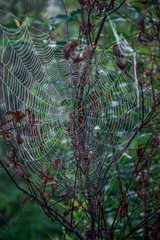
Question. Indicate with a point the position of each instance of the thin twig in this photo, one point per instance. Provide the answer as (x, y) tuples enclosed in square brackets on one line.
[(66, 12)]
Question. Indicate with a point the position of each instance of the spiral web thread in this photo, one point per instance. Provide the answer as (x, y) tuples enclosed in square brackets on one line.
[(35, 77)]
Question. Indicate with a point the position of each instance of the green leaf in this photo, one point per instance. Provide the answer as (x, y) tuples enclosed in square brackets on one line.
[(9, 26)]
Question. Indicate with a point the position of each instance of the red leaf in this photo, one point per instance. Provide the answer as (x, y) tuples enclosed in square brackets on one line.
[(121, 65), (43, 175), (19, 116), (43, 185), (52, 186), (42, 146), (140, 145), (47, 195), (28, 110), (35, 132), (135, 187), (158, 77), (69, 127), (69, 49), (50, 179), (41, 130), (85, 80), (20, 165), (57, 163), (8, 134), (32, 118), (107, 95), (19, 139), (86, 163), (93, 156), (24, 200), (20, 169), (153, 104), (140, 194), (86, 52), (78, 59), (11, 113)]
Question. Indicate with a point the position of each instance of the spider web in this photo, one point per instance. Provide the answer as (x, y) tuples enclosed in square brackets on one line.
[(35, 77)]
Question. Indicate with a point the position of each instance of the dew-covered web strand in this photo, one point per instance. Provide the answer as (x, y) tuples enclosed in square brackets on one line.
[(28, 106), (114, 125)]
